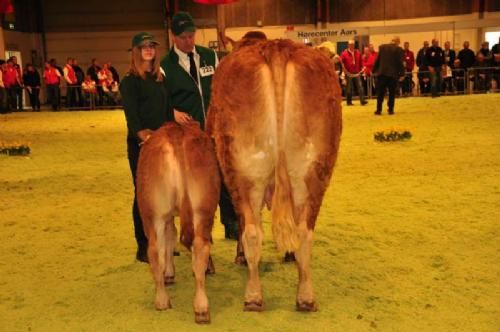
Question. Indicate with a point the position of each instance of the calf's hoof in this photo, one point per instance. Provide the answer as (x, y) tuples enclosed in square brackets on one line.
[(169, 280), (202, 317), (256, 306), (289, 257), (163, 304), (306, 306), (210, 267), (240, 259)]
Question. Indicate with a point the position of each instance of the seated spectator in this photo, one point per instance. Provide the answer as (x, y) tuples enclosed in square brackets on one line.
[(458, 76), (89, 91), (105, 77), (111, 89), (481, 78)]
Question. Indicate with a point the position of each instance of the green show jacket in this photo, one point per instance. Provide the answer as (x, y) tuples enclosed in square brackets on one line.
[(184, 93)]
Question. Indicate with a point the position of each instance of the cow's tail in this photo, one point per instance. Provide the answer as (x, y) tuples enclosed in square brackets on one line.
[(186, 209), (283, 221)]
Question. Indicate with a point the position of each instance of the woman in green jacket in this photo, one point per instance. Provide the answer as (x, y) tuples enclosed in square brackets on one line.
[(147, 107)]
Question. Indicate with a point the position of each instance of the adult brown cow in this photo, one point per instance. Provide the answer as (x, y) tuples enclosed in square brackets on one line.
[(177, 174), (275, 116)]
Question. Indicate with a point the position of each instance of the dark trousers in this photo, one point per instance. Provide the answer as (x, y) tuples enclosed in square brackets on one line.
[(228, 216), (407, 84), (34, 98), (351, 82), (133, 150), (436, 81), (386, 83), (71, 95), (53, 95), (4, 101), (15, 99)]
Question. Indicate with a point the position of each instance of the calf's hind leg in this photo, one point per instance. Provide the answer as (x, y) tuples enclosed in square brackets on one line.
[(156, 255), (200, 258)]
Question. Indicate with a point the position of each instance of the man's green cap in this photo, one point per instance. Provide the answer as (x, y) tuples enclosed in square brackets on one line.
[(182, 22)]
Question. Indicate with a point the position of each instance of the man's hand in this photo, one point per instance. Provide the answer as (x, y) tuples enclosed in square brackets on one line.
[(431, 69), (144, 135), (401, 78), (182, 117)]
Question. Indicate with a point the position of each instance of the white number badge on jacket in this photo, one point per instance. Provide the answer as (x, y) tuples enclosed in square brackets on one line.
[(207, 71)]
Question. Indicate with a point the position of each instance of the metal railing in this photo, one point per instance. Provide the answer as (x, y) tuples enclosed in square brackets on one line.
[(453, 82)]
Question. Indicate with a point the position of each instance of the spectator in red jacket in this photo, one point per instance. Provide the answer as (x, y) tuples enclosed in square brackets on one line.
[(12, 83), (351, 60), (368, 60), (409, 62), (17, 88), (52, 78)]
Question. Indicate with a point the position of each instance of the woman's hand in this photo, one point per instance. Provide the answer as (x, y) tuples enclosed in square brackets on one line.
[(182, 117)]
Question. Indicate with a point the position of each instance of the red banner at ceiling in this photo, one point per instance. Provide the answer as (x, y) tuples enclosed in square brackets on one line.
[(6, 7), (214, 2)]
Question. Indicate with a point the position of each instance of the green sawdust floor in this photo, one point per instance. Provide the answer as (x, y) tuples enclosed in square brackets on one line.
[(407, 238)]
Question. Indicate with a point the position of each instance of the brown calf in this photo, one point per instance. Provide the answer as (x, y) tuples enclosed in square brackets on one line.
[(275, 116), (178, 175)]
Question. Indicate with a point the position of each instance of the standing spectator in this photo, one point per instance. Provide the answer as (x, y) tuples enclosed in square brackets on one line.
[(18, 86), (71, 83), (388, 68), (116, 76), (32, 84), (424, 76), (92, 71), (53, 63), (80, 76), (466, 56), (4, 102), (449, 65), (486, 52), (147, 106), (351, 59), (368, 60), (190, 92), (12, 84), (409, 62), (52, 79), (435, 61), (337, 63)]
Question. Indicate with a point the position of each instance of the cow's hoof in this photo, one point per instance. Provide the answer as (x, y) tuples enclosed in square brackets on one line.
[(240, 259), (169, 280), (307, 306), (256, 306), (202, 317), (163, 304)]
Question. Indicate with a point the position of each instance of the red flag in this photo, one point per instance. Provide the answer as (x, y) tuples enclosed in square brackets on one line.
[(214, 2), (6, 7)]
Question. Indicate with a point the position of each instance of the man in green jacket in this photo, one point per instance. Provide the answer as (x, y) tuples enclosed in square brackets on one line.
[(189, 70)]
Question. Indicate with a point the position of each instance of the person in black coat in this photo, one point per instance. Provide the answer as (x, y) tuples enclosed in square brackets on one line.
[(466, 56), (388, 69), (31, 79)]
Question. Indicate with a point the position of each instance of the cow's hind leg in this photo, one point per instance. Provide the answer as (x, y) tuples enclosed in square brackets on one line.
[(200, 258), (305, 295), (170, 242), (156, 255)]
